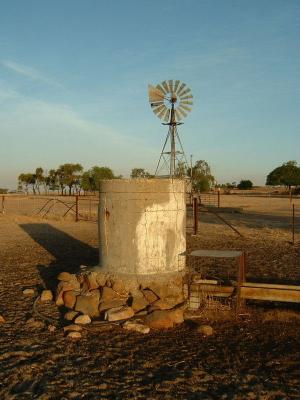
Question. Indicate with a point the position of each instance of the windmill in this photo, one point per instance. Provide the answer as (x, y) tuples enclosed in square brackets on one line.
[(171, 101)]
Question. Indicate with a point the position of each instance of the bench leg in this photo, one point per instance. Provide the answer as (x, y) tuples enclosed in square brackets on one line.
[(241, 279)]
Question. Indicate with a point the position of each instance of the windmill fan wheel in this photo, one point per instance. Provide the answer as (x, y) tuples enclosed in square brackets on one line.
[(170, 95)]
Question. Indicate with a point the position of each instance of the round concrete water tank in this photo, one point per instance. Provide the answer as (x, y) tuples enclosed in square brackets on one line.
[(142, 226)]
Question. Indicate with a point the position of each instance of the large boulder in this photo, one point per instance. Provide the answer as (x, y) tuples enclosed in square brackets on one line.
[(69, 299), (171, 292), (83, 320), (139, 303), (149, 295), (46, 295), (114, 303), (159, 320), (70, 315), (176, 316), (119, 313), (64, 286), (161, 305), (88, 304), (91, 281), (66, 276), (163, 319), (136, 326), (109, 294), (119, 287)]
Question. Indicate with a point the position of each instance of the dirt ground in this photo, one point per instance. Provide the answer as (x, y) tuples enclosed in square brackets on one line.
[(251, 357)]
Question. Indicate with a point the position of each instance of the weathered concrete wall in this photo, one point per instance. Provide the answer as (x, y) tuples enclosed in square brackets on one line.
[(142, 226)]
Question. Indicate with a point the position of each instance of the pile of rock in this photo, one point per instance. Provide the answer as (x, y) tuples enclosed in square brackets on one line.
[(98, 295)]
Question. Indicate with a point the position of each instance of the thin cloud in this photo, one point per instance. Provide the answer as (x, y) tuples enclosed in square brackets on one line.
[(29, 73)]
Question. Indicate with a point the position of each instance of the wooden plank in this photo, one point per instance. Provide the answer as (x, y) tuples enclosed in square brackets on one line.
[(216, 253), (270, 294), (271, 285), (206, 281), (214, 290)]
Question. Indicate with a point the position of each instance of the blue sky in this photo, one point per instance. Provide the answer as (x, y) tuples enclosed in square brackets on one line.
[(74, 75)]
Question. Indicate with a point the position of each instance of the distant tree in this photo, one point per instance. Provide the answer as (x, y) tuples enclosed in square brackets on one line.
[(69, 175), (3, 191), (288, 174), (140, 173), (90, 180), (181, 170), (51, 180), (39, 178), (245, 184), (202, 178), (24, 180)]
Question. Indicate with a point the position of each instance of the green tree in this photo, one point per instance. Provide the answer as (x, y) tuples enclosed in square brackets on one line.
[(39, 178), (140, 173), (245, 184), (90, 180), (181, 170), (69, 175), (288, 174), (27, 179), (51, 180), (202, 178)]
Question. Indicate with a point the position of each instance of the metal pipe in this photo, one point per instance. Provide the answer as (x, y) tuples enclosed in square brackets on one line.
[(195, 209), (293, 224), (76, 209)]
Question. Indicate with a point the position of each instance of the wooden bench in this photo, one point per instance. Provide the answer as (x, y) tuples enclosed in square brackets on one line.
[(246, 290)]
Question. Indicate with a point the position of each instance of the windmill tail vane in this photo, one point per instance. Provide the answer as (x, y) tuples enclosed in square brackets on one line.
[(170, 101)]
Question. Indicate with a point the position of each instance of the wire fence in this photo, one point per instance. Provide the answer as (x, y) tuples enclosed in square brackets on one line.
[(231, 210), (57, 207)]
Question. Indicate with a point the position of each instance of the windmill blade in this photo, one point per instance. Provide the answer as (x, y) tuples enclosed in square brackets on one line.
[(166, 117), (159, 87), (177, 115), (166, 87), (186, 102), (158, 109), (171, 85), (185, 107), (180, 89), (155, 94), (184, 92), (189, 96), (162, 112), (157, 103), (183, 113), (176, 86)]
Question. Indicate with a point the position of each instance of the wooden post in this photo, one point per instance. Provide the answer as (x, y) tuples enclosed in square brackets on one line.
[(293, 224), (76, 209), (219, 198), (3, 204), (241, 280), (195, 209)]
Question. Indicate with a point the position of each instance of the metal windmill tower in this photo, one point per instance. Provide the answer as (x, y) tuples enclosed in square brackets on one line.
[(170, 101)]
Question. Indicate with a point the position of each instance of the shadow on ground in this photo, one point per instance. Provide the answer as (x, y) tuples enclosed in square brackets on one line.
[(68, 251)]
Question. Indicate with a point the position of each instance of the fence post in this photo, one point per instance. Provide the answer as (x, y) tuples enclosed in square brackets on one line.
[(293, 224), (76, 209), (3, 204), (218, 198), (195, 209)]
